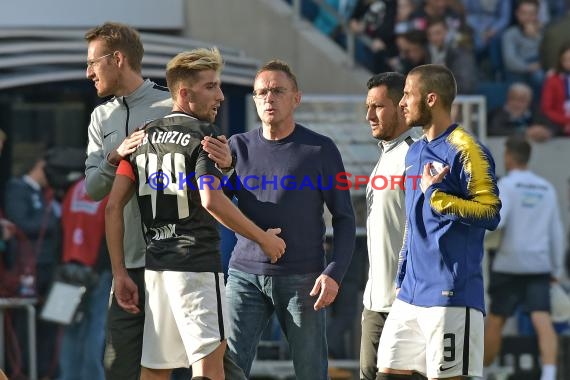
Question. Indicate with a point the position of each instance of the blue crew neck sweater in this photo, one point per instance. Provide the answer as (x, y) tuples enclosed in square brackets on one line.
[(285, 184)]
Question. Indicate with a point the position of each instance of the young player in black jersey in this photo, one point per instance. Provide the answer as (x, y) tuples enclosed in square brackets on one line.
[(178, 191)]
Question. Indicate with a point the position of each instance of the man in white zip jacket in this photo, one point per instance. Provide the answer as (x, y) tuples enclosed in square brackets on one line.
[(386, 213), (114, 59)]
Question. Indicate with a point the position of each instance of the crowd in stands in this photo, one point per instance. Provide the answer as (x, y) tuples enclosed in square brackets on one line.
[(489, 45)]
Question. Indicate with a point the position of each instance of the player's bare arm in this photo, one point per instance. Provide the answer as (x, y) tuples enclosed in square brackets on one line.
[(125, 289), (225, 212)]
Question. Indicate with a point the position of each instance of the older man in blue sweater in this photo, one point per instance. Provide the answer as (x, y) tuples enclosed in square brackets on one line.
[(284, 175)]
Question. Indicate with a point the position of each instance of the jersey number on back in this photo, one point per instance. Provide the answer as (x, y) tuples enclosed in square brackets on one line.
[(160, 183)]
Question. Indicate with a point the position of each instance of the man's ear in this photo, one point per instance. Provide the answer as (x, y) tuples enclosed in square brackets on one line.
[(183, 94), (298, 96), (119, 58), (431, 98)]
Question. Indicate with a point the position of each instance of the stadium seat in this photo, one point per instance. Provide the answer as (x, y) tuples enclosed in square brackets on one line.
[(495, 93)]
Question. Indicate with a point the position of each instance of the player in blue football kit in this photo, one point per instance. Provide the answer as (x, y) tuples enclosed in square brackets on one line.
[(435, 327)]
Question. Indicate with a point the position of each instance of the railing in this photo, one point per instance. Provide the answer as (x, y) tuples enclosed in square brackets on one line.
[(471, 112), (28, 304)]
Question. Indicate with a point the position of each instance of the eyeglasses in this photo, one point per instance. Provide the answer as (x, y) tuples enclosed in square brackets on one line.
[(92, 62), (263, 92)]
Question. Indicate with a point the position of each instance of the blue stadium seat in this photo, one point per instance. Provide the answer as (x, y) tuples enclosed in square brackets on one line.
[(495, 93)]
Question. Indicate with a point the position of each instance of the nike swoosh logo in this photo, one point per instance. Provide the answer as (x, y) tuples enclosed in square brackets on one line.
[(408, 168), (109, 134), (442, 368)]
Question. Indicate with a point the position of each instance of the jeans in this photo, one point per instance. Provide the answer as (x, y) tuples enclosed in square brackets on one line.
[(81, 355), (252, 299)]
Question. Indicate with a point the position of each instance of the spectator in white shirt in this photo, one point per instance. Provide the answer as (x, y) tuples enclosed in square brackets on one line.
[(530, 255)]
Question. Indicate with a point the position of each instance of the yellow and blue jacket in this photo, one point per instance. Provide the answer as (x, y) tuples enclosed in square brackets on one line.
[(440, 261)]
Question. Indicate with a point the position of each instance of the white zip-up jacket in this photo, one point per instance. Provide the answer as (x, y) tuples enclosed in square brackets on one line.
[(110, 123), (386, 217)]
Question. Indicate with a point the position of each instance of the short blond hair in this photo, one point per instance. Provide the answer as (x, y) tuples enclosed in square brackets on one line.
[(186, 65)]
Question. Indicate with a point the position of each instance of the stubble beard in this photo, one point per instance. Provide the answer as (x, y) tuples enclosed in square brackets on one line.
[(388, 133), (424, 119)]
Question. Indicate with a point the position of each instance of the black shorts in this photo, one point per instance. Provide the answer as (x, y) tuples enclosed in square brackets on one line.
[(124, 335), (507, 291)]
